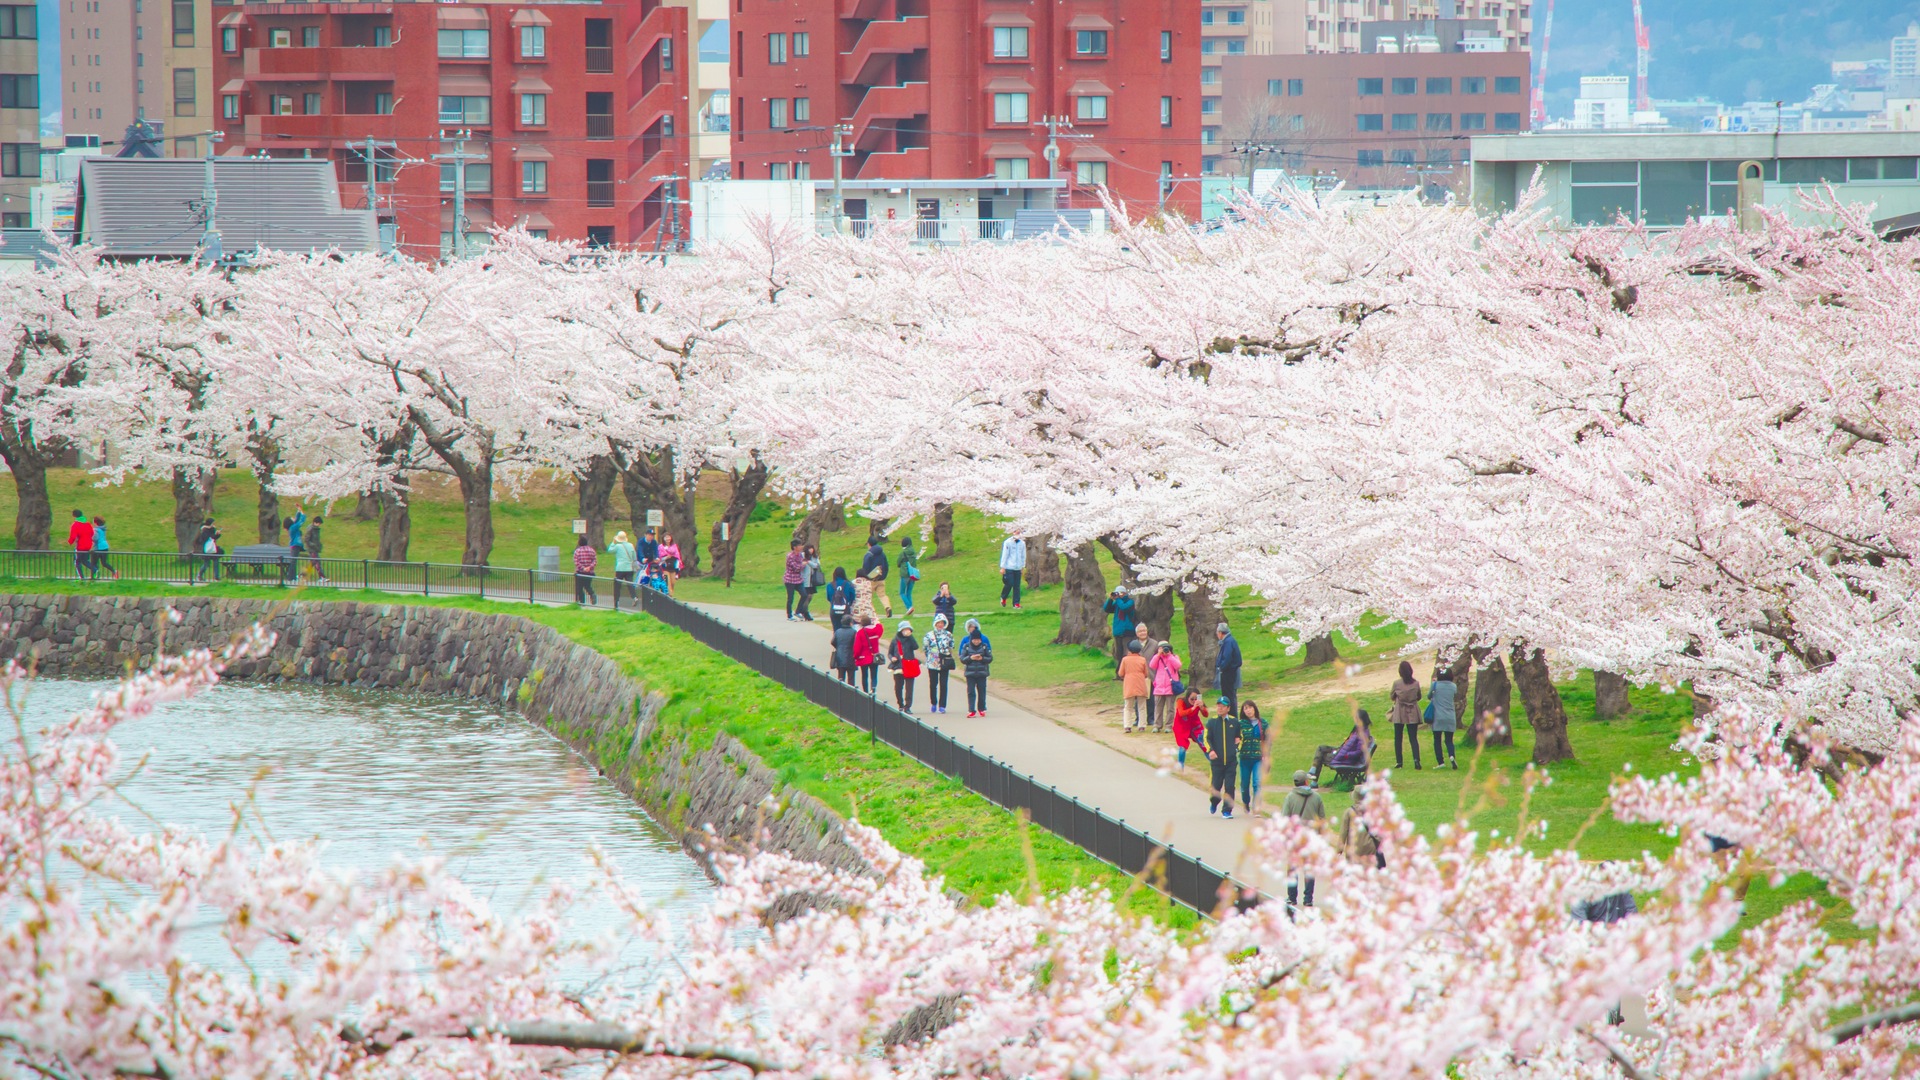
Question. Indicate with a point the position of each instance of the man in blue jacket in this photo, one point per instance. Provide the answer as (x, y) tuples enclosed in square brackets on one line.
[(1226, 669)]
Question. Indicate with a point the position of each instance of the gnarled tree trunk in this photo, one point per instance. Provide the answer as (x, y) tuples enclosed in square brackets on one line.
[(942, 530), (265, 451), (396, 522), (1610, 696), (877, 529), (1462, 672), (596, 479), (1202, 615), (367, 506), (1043, 562), (1492, 705), (1545, 713), (727, 532), (192, 503), (1154, 609), (33, 520), (1082, 620), (815, 522), (1320, 650), (653, 482)]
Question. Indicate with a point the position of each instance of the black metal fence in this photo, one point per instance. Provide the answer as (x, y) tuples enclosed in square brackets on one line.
[(1183, 878)]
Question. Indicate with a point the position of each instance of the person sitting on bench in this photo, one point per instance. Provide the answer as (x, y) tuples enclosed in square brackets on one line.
[(1350, 758)]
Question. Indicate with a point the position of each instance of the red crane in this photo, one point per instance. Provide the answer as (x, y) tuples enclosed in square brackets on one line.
[(1540, 77), (1641, 102)]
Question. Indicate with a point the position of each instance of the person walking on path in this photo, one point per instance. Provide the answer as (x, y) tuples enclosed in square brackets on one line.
[(866, 655), (1356, 840), (1441, 698), (207, 546), (1405, 694), (976, 654), (100, 550), (584, 560), (795, 577), (1222, 750), (1253, 754), (1226, 666), (1125, 615), (1304, 803), (297, 533), (868, 590), (811, 579), (938, 649), (626, 562), (903, 659), (315, 548), (944, 604), (1189, 724), (669, 556), (80, 535), (1135, 687), (1013, 563), (909, 573), (843, 639), (840, 599), (1165, 671)]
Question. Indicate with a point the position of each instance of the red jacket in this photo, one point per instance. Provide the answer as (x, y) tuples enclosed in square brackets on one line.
[(866, 645), (80, 535), (1188, 723)]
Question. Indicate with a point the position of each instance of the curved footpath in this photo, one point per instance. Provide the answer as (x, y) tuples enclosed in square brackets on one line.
[(1098, 775)]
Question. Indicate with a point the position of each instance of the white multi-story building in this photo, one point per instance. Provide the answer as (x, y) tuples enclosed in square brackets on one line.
[(1605, 101), (1904, 61)]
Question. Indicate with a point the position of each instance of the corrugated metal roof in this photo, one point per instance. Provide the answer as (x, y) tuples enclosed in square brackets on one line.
[(21, 245), (145, 207)]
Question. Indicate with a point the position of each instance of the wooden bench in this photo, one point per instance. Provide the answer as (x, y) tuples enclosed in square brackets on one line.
[(260, 561)]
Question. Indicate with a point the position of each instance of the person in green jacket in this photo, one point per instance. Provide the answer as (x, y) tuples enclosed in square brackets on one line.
[(1304, 803), (909, 572)]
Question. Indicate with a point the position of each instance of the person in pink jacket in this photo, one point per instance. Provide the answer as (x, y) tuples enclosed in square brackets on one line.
[(1165, 669)]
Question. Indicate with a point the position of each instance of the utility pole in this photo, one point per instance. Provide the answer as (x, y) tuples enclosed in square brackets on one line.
[(208, 210), (1053, 124), (373, 197), (460, 157), (840, 151)]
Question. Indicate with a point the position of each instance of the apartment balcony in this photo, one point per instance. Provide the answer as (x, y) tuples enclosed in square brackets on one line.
[(889, 103), (861, 9), (866, 62), (269, 131), (914, 164), (319, 65)]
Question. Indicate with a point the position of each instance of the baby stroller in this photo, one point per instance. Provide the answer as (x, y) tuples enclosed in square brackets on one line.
[(654, 576)]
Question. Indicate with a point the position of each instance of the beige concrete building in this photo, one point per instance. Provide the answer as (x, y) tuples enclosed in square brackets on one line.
[(128, 60), (19, 113)]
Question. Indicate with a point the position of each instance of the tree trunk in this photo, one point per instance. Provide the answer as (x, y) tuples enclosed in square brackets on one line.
[(653, 482), (942, 530), (1043, 562), (192, 504), (596, 482), (33, 522), (396, 522), (1492, 705), (1462, 672), (1320, 650), (1545, 713), (877, 529), (476, 499), (834, 517), (1156, 609), (732, 526), (1202, 615), (1610, 696), (810, 527), (1082, 620), (265, 452), (367, 507)]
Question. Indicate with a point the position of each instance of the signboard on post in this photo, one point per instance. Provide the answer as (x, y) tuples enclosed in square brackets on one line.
[(655, 519), (723, 530), (579, 526)]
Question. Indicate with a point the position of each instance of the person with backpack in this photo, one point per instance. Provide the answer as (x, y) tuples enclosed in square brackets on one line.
[(940, 659), (80, 536), (1356, 840), (1189, 725), (976, 655), (903, 659), (1165, 670), (1304, 803), (909, 573), (1405, 694), (626, 566), (866, 655), (584, 560), (1222, 745), (1134, 691), (842, 660), (840, 599), (1442, 696), (869, 588), (100, 550), (1253, 754), (811, 580), (795, 577)]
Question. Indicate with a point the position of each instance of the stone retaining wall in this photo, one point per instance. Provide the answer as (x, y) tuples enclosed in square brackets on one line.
[(512, 662)]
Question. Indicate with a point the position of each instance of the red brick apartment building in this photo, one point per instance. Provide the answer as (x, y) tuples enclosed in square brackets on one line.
[(960, 91), (1372, 120), (571, 113)]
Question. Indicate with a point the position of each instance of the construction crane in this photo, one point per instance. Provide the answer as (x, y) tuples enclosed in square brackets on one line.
[(1540, 77), (1641, 102)]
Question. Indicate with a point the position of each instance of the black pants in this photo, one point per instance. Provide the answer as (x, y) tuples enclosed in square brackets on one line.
[(1230, 689), (793, 593), (583, 588), (1294, 890), (976, 693), (1439, 758), (806, 597), (903, 692), (870, 678), (1220, 782), (625, 577), (936, 687), (845, 673), (836, 619), (1010, 586), (1413, 737)]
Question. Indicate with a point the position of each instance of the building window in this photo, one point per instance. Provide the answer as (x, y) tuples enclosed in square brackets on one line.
[(802, 171), (1406, 86), (1210, 76), (1009, 42), (466, 110), (533, 43), (1206, 18), (1473, 85), (1206, 47), (19, 22), (777, 112), (533, 178), (1371, 87), (537, 234), (19, 91), (183, 24), (280, 105), (479, 178), (1440, 157), (230, 106), (1090, 172), (666, 54), (1009, 108), (599, 181), (1406, 121), (463, 44), (1439, 86), (776, 48), (1369, 121), (777, 170), (802, 109), (1235, 48), (1506, 121), (1210, 106), (1506, 84), (1296, 87), (1276, 87), (599, 48), (1236, 18), (1090, 42), (802, 46), (20, 159), (309, 37), (1166, 112), (229, 40), (383, 37), (16, 221), (1439, 121), (1093, 107), (1166, 46), (1403, 157), (1010, 168), (1604, 189), (282, 38), (309, 104), (1473, 121), (533, 110), (1369, 157), (599, 236)]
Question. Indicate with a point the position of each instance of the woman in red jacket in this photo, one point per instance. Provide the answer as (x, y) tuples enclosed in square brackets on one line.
[(866, 654), (1189, 724)]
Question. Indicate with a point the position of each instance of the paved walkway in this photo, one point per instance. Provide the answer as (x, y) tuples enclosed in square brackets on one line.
[(1099, 776)]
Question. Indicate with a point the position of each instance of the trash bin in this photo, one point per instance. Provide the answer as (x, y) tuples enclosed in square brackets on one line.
[(549, 564)]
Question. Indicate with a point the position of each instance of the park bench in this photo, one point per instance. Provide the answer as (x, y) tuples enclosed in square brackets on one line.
[(260, 561)]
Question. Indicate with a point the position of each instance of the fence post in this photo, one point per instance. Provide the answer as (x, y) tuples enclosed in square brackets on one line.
[(366, 574), (424, 587), (529, 586)]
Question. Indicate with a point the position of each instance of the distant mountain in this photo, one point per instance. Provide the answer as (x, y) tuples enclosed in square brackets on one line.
[(1749, 50)]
